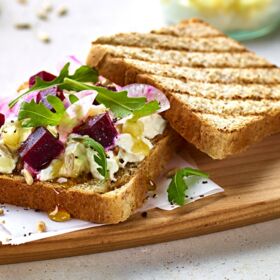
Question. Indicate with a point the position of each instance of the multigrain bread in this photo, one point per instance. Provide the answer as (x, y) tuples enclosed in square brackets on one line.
[(223, 97), (83, 200)]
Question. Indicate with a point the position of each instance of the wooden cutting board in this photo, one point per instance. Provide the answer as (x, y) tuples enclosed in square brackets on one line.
[(252, 194)]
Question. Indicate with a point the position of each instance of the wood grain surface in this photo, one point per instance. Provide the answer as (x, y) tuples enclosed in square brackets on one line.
[(252, 194)]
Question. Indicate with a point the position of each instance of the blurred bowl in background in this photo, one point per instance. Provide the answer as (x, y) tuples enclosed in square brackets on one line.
[(241, 19)]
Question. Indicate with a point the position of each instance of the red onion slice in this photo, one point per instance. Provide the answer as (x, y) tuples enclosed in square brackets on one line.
[(6, 110), (150, 92)]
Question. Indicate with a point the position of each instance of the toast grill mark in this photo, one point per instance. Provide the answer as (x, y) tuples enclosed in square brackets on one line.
[(255, 92), (167, 42), (210, 75), (190, 59), (228, 107)]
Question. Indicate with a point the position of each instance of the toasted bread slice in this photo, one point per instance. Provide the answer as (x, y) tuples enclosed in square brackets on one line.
[(223, 97), (83, 200)]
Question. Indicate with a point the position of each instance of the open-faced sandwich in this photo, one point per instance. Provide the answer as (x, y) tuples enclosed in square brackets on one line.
[(74, 145)]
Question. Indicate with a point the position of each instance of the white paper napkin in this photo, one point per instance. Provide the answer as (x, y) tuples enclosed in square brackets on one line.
[(19, 225), (200, 187)]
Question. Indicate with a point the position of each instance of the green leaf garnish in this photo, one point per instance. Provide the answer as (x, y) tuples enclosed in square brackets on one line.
[(37, 114), (146, 110), (178, 186), (100, 157), (73, 98), (85, 74), (82, 74), (118, 102)]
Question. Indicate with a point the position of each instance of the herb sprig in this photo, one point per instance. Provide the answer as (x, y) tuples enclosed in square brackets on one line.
[(99, 157), (82, 74), (118, 102), (37, 114), (178, 186)]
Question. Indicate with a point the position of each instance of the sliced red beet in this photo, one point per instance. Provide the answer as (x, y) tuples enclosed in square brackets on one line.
[(45, 76), (40, 148), (2, 119), (100, 128)]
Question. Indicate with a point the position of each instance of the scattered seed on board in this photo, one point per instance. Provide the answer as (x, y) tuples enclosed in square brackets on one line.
[(23, 25), (41, 226), (42, 15), (44, 37), (1, 212), (23, 2), (47, 7), (62, 11)]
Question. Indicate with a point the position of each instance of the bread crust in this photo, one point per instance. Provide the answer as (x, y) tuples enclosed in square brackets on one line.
[(108, 208)]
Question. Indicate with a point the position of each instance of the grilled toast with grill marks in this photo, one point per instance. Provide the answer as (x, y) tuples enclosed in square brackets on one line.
[(223, 97)]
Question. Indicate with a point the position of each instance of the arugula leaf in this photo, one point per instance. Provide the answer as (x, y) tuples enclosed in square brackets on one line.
[(57, 104), (178, 186), (82, 74), (176, 189), (37, 114), (118, 102), (41, 85), (73, 98), (146, 110), (100, 157), (85, 74)]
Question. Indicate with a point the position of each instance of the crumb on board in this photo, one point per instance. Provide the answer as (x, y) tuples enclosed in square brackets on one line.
[(41, 226), (2, 221), (1, 211)]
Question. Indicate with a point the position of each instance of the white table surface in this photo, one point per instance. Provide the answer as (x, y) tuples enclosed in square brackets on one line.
[(251, 252)]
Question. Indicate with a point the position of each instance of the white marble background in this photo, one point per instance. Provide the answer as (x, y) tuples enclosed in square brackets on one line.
[(251, 252)]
